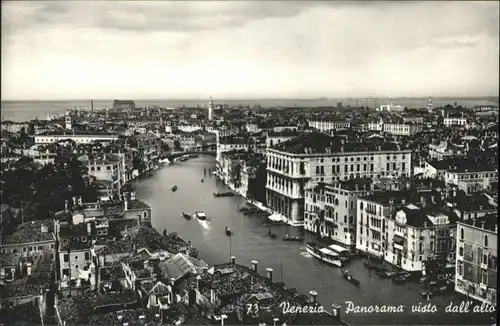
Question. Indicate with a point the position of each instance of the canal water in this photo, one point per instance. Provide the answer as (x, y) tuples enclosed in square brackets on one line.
[(289, 261)]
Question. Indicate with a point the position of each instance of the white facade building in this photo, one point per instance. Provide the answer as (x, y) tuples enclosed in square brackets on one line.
[(79, 139)]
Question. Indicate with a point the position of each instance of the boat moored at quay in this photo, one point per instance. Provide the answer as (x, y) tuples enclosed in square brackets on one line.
[(324, 254)]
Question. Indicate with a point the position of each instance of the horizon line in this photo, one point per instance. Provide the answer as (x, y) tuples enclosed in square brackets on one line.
[(304, 98)]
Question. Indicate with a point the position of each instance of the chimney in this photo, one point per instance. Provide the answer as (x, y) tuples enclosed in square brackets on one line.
[(125, 201), (212, 297), (336, 311), (255, 265), (28, 269), (142, 319), (425, 224), (66, 205), (92, 276), (172, 281), (89, 228), (74, 201), (198, 278), (269, 273), (132, 195), (482, 224), (233, 260), (80, 201), (312, 296)]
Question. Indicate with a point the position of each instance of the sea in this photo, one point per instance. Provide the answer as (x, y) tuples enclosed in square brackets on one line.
[(20, 111)]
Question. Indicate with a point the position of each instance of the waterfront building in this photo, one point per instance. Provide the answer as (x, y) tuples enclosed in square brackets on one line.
[(331, 210), (147, 148), (414, 235), (477, 258), (188, 141), (77, 138), (108, 167), (328, 124), (119, 105), (372, 212), (304, 161), (390, 108)]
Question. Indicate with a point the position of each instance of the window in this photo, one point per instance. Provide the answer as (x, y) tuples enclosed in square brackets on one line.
[(461, 251), (361, 205), (87, 256), (352, 167), (371, 167), (40, 247), (24, 249), (485, 240), (461, 233), (388, 166), (66, 258), (30, 249), (317, 170), (98, 168)]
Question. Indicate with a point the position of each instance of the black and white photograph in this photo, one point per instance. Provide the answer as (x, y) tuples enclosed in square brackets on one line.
[(249, 163)]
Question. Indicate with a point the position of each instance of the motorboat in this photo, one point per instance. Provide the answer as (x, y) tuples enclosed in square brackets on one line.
[(324, 254), (200, 215), (289, 238), (349, 277), (174, 188), (186, 216), (271, 234), (228, 232), (224, 194), (344, 253)]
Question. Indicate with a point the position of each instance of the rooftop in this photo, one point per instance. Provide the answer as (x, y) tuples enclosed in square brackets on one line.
[(487, 222), (31, 232), (180, 265), (385, 197), (37, 283), (321, 143)]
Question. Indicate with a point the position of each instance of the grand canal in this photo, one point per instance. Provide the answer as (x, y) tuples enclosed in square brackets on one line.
[(251, 242)]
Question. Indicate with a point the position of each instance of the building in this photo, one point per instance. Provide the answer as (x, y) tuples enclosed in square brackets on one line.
[(414, 234), (276, 137), (75, 261), (330, 124), (34, 239), (372, 212), (121, 104), (477, 258), (402, 129), (391, 108), (304, 161), (110, 168), (472, 178), (67, 120), (211, 110), (331, 210), (77, 138), (455, 121)]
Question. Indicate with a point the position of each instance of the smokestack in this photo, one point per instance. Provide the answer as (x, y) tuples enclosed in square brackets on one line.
[(312, 296), (255, 265), (269, 273), (233, 260), (91, 105), (28, 269)]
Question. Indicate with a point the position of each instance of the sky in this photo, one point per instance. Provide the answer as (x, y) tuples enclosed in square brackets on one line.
[(246, 50)]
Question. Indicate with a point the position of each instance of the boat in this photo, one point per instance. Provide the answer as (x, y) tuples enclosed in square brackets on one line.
[(343, 253), (387, 274), (200, 215), (214, 173), (288, 238), (399, 279), (271, 234), (202, 180), (186, 216), (174, 188), (224, 194), (228, 232), (349, 277), (323, 254)]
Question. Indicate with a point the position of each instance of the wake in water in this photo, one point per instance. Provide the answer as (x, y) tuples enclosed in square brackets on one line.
[(205, 224)]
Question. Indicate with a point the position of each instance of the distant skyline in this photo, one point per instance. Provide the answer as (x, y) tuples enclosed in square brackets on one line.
[(248, 50)]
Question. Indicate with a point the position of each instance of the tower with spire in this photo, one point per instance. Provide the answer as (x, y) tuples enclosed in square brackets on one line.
[(210, 109)]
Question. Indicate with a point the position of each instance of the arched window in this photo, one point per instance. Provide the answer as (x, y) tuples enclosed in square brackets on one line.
[(317, 170), (336, 201)]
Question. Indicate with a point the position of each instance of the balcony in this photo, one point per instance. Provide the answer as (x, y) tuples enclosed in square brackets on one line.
[(484, 266), (398, 247)]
